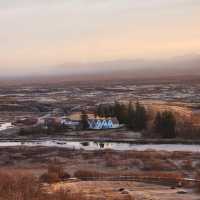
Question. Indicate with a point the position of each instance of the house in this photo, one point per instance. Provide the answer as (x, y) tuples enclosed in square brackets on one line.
[(26, 121), (102, 123), (68, 122), (48, 121)]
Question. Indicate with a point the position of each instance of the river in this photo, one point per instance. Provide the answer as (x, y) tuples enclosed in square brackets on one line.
[(90, 145), (6, 126)]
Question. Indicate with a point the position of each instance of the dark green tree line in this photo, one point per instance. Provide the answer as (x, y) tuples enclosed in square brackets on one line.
[(134, 116), (165, 124), (84, 120)]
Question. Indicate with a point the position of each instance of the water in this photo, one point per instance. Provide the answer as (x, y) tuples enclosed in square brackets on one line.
[(5, 126), (90, 145)]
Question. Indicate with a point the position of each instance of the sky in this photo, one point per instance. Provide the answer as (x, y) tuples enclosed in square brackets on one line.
[(38, 34)]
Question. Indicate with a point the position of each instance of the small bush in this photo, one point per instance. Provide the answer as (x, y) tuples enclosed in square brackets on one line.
[(159, 165), (49, 178), (167, 178), (88, 174), (187, 165), (65, 195), (20, 186), (15, 185), (54, 174), (198, 183)]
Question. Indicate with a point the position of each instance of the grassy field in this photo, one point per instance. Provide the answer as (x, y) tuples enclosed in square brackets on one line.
[(38, 173)]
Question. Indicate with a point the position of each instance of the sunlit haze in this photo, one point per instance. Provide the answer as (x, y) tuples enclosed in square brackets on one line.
[(41, 36)]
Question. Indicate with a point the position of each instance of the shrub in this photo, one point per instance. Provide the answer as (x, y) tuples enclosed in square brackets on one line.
[(159, 165), (15, 185), (65, 195), (187, 165), (54, 174), (165, 124), (49, 178), (88, 174), (198, 183), (20, 186)]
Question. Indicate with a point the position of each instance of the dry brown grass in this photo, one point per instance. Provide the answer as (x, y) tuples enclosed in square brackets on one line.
[(187, 165), (158, 165), (16, 185), (198, 183), (55, 173), (65, 195), (145, 155), (172, 177), (90, 174)]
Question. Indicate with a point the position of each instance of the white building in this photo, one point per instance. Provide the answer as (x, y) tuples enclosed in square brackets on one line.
[(98, 124)]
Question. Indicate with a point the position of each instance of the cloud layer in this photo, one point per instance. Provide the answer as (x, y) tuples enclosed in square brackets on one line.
[(36, 34)]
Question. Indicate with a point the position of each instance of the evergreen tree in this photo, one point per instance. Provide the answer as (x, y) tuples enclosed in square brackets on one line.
[(101, 111), (158, 122), (135, 117), (131, 115), (165, 124), (84, 120), (123, 117), (107, 111), (111, 111), (117, 110), (140, 117)]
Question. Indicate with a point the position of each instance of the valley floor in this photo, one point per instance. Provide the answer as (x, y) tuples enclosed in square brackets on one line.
[(125, 191)]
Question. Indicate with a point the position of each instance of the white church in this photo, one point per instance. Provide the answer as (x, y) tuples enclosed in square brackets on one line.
[(97, 124)]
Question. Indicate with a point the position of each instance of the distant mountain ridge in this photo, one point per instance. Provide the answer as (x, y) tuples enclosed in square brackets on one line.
[(182, 67), (177, 66)]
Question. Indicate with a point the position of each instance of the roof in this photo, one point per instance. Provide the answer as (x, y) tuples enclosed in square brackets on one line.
[(77, 116), (94, 120)]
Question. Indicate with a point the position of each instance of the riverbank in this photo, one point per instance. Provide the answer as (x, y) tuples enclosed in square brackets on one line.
[(100, 145), (127, 190), (106, 136), (65, 138), (151, 163), (37, 159)]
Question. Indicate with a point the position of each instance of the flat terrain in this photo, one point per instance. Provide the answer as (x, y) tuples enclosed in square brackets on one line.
[(172, 165), (125, 191), (38, 100), (111, 162), (67, 98)]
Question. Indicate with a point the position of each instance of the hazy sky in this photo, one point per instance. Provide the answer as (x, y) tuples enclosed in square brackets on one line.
[(35, 34)]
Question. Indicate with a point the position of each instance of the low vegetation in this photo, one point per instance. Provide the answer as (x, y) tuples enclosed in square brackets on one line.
[(198, 183), (137, 118), (16, 185), (165, 124), (134, 116), (153, 176), (55, 173), (161, 124)]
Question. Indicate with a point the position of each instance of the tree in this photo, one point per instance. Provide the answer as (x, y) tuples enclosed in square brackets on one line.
[(131, 115), (158, 122), (120, 111), (140, 117), (84, 120), (100, 111), (111, 111), (135, 117), (117, 110), (165, 124)]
